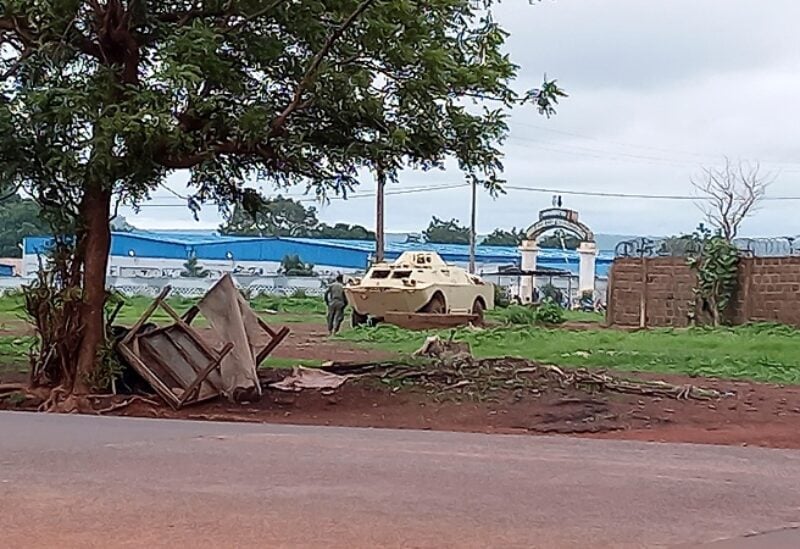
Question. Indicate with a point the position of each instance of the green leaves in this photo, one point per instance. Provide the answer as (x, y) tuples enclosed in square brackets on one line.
[(446, 232), (240, 90), (716, 268)]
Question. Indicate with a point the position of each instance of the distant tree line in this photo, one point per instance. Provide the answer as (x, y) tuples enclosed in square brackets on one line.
[(440, 231), (282, 216)]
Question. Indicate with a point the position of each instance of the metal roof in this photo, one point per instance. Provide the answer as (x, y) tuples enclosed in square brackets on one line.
[(339, 253)]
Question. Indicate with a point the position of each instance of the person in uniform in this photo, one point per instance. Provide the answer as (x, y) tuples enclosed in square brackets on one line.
[(336, 302)]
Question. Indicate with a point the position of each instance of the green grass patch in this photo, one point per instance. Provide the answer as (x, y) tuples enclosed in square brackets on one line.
[(14, 353), (280, 362), (289, 309), (584, 316), (135, 306), (12, 307), (761, 352), (519, 314), (296, 304)]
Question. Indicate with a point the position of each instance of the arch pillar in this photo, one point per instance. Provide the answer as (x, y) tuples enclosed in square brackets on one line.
[(529, 251), (587, 253)]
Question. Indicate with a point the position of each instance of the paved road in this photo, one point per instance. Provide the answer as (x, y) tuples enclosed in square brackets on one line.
[(77, 481)]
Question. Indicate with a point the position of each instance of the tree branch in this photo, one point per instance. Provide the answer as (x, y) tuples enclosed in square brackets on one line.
[(731, 194), (255, 15), (308, 77), (191, 159)]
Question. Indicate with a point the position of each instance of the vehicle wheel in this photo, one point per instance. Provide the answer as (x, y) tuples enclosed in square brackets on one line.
[(436, 305), (478, 311), (357, 319)]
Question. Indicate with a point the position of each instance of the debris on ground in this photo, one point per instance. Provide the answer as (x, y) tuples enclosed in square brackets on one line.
[(309, 378), (436, 347), (183, 367), (479, 379)]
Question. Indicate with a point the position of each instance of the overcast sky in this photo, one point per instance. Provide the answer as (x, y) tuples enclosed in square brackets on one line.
[(657, 89)]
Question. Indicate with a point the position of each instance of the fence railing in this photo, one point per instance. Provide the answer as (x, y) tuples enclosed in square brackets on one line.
[(687, 246), (194, 287)]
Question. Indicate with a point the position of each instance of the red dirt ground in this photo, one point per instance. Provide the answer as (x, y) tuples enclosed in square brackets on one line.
[(311, 342), (757, 414)]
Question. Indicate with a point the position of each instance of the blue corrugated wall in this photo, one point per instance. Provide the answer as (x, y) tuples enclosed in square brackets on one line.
[(334, 253)]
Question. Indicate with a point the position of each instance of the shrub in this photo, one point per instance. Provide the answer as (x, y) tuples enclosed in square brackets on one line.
[(551, 293), (299, 293), (501, 299), (519, 314), (549, 312)]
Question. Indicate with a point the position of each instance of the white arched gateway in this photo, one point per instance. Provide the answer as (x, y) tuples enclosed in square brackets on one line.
[(551, 219)]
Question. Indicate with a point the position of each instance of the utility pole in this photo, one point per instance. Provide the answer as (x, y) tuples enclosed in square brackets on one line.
[(379, 217), (472, 229)]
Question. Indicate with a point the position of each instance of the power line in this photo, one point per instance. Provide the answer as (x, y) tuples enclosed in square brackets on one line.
[(642, 147), (303, 198), (603, 194), (577, 150)]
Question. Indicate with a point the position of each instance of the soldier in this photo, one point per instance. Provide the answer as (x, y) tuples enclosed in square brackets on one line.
[(336, 302)]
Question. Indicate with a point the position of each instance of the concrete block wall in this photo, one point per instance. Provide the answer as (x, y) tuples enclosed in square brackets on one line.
[(768, 291)]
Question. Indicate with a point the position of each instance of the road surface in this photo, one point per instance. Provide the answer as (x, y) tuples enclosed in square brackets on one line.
[(77, 481)]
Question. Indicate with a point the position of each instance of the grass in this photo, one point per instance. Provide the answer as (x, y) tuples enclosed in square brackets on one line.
[(296, 308), (584, 316), (282, 310), (505, 315), (14, 355), (761, 352), (280, 362)]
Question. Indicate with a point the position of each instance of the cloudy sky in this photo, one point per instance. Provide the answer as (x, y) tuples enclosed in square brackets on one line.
[(657, 90)]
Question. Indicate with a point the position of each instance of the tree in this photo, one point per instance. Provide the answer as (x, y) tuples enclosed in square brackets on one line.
[(121, 225), (192, 269), (500, 237), (287, 217), (446, 232), (292, 265), (560, 240), (277, 216), (102, 99), (19, 217), (728, 195), (343, 231)]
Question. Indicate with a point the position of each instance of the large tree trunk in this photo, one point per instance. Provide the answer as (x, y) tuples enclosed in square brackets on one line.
[(95, 211)]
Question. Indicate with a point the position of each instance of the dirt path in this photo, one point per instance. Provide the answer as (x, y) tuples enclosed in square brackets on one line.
[(758, 415), (311, 342)]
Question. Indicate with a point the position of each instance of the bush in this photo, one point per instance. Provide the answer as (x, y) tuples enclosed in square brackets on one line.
[(551, 293), (501, 299), (519, 314), (549, 312), (299, 293)]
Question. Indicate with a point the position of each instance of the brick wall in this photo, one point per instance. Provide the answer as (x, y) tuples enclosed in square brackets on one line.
[(768, 290)]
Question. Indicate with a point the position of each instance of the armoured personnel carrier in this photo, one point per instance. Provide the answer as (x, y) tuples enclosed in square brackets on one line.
[(418, 283)]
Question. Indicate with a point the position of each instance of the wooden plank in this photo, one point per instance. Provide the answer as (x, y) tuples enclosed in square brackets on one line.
[(147, 313), (189, 330), (274, 342), (190, 315), (188, 358), (153, 354), (201, 377), (142, 369), (266, 327)]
